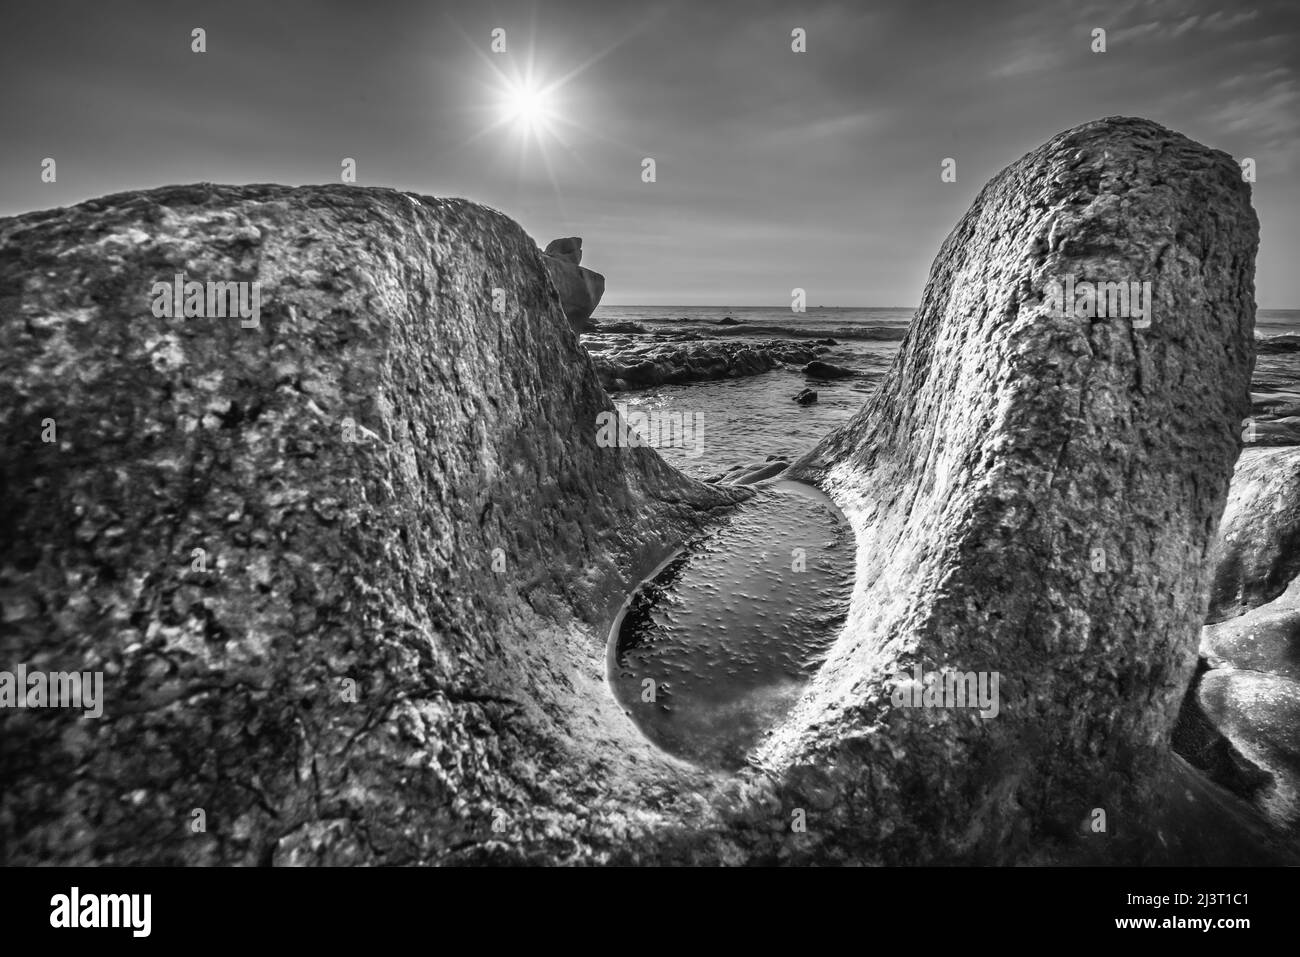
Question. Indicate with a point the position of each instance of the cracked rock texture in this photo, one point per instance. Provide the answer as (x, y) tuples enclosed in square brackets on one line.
[(279, 542), (341, 676)]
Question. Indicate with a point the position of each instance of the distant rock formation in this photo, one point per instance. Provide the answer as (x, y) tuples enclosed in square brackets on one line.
[(624, 362), (579, 288), (568, 249), (617, 327), (877, 333), (349, 573)]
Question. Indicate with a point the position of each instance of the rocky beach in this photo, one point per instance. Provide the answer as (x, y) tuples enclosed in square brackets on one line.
[(352, 573)]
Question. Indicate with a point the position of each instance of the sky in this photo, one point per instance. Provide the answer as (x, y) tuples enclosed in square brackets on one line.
[(774, 169)]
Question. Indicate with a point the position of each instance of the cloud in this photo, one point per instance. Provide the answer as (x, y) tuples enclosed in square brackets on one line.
[(1218, 22), (1034, 61), (1270, 119), (1132, 33), (833, 126)]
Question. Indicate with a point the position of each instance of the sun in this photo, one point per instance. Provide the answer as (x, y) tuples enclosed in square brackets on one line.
[(527, 106)]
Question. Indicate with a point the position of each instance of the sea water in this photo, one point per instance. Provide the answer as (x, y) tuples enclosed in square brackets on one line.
[(749, 419), (714, 649)]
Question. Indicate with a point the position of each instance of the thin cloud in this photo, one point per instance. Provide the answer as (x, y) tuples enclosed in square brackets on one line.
[(1033, 62)]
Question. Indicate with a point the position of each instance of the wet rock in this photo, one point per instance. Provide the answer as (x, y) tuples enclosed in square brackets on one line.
[(1260, 714), (1252, 641), (1265, 639), (806, 396), (685, 357), (826, 370), (1257, 551), (748, 475)]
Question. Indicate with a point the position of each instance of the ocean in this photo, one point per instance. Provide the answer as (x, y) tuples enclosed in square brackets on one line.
[(748, 419)]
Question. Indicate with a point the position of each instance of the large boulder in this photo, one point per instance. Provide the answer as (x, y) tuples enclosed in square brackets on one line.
[(348, 572), (579, 288), (1024, 508)]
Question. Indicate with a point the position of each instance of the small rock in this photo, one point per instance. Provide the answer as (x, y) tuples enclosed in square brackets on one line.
[(748, 475), (826, 370), (806, 397)]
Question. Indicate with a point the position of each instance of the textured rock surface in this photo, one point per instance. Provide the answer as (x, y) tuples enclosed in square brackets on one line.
[(1252, 643), (1003, 447), (1259, 713), (1257, 553), (1265, 639), (1006, 446), (348, 468)]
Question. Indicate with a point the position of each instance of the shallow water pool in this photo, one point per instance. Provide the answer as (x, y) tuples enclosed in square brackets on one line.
[(714, 648)]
